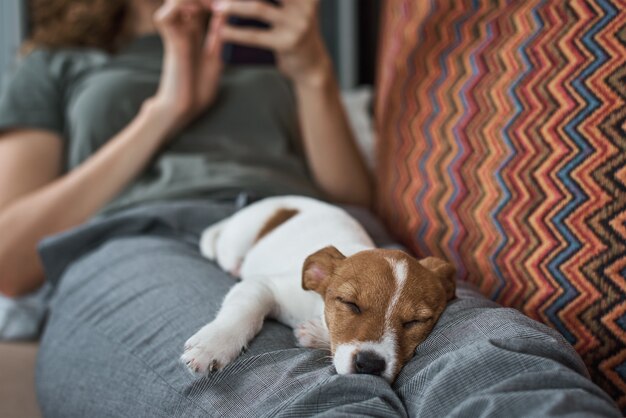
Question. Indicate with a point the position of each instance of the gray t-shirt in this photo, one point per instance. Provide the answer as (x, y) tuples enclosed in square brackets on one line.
[(248, 140)]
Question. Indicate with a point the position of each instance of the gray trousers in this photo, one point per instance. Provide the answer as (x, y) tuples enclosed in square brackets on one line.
[(130, 289)]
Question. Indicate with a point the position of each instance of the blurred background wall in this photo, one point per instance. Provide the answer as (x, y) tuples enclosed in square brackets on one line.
[(12, 30), (350, 28)]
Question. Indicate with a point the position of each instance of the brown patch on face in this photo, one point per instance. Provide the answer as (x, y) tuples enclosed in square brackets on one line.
[(279, 218), (359, 292), (357, 298)]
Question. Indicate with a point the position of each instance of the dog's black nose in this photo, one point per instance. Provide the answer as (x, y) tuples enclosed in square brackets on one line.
[(368, 362)]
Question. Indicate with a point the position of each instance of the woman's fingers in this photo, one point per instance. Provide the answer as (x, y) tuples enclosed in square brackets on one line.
[(291, 21), (211, 67), (249, 9), (301, 4), (260, 38), (213, 41), (166, 14), (178, 11)]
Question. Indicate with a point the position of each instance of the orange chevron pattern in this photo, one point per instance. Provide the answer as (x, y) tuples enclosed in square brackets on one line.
[(502, 147)]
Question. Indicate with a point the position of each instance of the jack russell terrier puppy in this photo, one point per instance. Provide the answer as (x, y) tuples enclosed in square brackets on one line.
[(313, 267)]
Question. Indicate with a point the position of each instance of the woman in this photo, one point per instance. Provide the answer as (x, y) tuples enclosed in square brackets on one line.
[(84, 132), (37, 200)]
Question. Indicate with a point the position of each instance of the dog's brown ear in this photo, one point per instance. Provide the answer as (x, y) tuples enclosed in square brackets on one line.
[(445, 271), (318, 268)]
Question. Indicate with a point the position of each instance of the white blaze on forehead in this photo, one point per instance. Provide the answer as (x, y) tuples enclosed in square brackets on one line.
[(386, 347), (400, 269)]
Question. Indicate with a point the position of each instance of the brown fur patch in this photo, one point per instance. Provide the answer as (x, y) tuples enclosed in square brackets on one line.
[(279, 218)]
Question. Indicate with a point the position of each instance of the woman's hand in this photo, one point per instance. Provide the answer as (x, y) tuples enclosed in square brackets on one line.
[(192, 63), (294, 35)]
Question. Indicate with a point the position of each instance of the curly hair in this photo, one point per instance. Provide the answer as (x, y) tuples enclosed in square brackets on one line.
[(77, 23)]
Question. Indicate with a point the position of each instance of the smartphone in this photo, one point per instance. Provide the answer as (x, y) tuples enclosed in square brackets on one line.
[(243, 55)]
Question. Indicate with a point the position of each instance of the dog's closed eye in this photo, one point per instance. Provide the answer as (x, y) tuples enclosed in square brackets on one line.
[(423, 316), (353, 306), (413, 323)]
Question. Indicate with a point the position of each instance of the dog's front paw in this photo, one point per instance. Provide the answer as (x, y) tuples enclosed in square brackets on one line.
[(211, 349), (312, 334)]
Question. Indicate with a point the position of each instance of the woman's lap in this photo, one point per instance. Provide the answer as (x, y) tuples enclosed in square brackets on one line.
[(122, 313), (117, 326)]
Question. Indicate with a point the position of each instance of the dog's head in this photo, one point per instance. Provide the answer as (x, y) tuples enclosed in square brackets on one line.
[(379, 305)]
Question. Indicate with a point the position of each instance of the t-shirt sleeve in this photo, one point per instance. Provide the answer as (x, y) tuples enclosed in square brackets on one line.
[(30, 96)]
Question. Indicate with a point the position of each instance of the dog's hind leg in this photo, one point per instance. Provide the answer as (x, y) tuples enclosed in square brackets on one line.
[(208, 240), (230, 243), (239, 320)]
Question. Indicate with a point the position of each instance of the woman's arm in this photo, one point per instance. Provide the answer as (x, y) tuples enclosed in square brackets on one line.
[(38, 205), (333, 156), (331, 149), (29, 159), (35, 202)]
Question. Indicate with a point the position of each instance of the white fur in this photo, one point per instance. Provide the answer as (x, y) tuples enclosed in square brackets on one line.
[(271, 274), (400, 270), (344, 356)]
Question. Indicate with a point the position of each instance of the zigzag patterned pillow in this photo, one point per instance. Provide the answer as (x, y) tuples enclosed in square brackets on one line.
[(502, 147)]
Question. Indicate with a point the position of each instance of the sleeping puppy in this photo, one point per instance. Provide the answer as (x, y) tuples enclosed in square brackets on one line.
[(311, 266)]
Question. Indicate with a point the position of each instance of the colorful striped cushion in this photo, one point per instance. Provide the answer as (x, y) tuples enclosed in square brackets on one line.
[(502, 147)]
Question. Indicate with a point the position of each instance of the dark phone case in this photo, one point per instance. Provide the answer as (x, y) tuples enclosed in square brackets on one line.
[(242, 55)]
